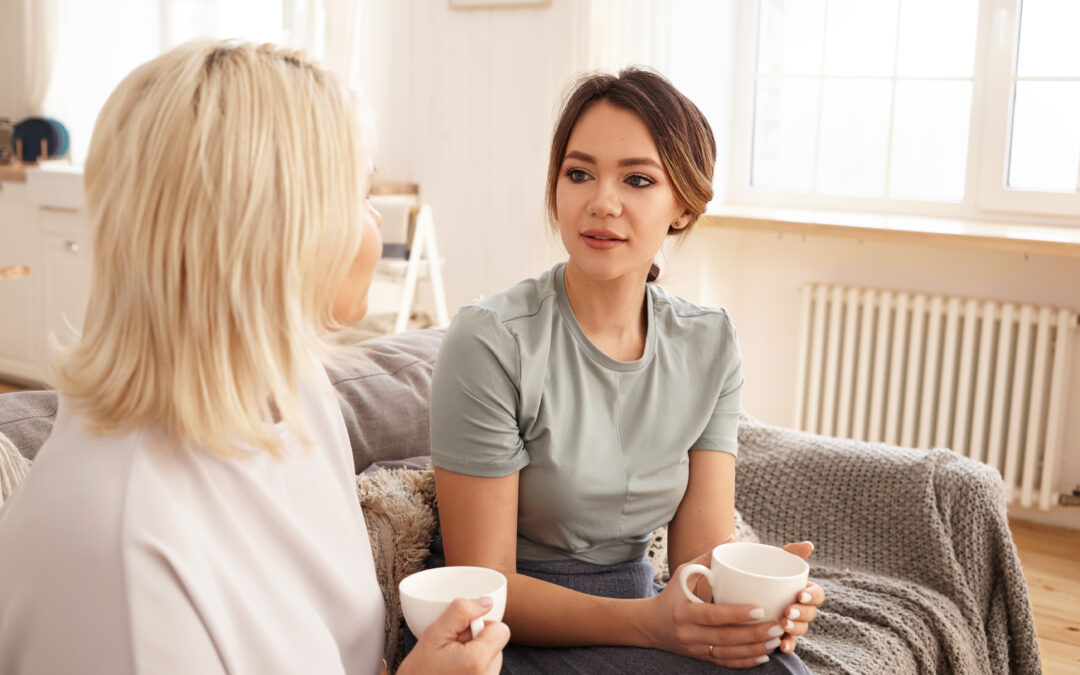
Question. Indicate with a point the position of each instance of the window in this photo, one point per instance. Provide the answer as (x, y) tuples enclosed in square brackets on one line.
[(944, 107), (86, 63)]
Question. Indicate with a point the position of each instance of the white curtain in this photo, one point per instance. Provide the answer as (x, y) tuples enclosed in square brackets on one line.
[(78, 51), (39, 42)]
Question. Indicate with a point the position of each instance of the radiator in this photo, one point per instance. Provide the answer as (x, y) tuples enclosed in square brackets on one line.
[(988, 379)]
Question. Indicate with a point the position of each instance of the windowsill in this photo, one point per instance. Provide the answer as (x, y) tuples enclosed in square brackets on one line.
[(1060, 241)]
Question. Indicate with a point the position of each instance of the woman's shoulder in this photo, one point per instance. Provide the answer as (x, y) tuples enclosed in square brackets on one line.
[(668, 305), (525, 299)]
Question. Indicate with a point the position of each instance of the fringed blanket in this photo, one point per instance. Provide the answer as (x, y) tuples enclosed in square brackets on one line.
[(913, 550)]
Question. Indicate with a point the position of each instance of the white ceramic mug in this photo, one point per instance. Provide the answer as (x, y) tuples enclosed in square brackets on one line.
[(743, 573), (426, 595)]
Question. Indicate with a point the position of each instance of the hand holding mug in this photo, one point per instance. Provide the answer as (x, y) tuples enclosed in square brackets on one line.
[(773, 579), (445, 646), (456, 614)]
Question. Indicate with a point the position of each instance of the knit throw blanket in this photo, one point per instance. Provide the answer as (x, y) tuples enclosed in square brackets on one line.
[(913, 550)]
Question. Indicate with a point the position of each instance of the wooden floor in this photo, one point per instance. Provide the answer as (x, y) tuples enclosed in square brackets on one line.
[(1051, 560)]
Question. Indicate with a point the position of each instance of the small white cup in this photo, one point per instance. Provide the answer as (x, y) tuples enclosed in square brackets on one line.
[(743, 573), (426, 595)]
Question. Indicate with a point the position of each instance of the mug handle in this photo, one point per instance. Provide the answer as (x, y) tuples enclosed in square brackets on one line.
[(476, 625), (684, 577)]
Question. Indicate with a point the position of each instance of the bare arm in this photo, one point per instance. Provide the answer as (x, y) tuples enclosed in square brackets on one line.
[(706, 515)]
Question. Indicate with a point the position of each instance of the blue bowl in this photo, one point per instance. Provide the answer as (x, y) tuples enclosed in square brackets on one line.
[(31, 131)]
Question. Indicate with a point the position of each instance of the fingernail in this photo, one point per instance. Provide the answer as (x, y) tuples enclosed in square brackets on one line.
[(730, 538), (485, 602), (761, 659), (773, 643), (804, 597), (757, 613), (775, 631), (788, 625), (793, 613)]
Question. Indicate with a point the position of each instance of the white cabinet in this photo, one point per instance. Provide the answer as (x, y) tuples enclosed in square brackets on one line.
[(20, 346), (66, 263), (42, 226)]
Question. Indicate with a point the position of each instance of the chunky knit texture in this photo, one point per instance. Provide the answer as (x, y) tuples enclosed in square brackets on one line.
[(913, 550)]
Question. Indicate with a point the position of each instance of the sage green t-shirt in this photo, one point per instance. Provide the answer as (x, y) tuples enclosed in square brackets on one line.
[(602, 446)]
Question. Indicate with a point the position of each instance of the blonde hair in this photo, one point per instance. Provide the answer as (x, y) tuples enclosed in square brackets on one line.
[(224, 190)]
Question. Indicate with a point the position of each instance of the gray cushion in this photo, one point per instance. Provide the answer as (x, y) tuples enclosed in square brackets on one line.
[(385, 389), (26, 418), (385, 394)]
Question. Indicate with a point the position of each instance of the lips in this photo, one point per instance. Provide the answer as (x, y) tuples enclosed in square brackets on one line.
[(602, 239)]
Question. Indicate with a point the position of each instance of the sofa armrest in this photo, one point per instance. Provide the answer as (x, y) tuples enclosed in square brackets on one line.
[(927, 527), (866, 506)]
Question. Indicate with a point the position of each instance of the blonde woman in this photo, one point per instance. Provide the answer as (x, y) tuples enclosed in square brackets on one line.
[(194, 509)]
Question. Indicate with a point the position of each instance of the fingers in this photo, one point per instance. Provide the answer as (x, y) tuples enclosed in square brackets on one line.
[(803, 549), (486, 649), (494, 637), (787, 643), (800, 613), (812, 594), (728, 655), (457, 617), (721, 615), (729, 635)]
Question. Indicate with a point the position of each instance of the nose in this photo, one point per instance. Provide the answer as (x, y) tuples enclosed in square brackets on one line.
[(605, 201)]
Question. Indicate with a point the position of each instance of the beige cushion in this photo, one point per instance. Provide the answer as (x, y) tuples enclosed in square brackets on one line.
[(13, 467), (402, 519)]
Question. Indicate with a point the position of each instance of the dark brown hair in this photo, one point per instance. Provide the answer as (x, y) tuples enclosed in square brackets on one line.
[(682, 135)]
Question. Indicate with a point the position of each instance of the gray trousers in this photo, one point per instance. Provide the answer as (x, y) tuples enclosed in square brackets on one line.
[(628, 580)]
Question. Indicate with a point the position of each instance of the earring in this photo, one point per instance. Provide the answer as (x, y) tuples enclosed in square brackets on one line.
[(678, 225)]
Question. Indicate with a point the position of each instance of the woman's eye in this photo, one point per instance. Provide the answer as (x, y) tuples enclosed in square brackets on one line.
[(577, 175), (639, 181)]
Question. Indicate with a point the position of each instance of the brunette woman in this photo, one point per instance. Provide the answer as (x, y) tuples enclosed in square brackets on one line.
[(576, 412)]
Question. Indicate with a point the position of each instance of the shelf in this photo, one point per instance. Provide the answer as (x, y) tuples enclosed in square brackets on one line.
[(13, 172)]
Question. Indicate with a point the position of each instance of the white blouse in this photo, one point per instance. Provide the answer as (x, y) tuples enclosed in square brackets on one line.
[(124, 554)]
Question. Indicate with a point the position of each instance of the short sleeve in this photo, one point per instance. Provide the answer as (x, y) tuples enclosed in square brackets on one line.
[(722, 430), (474, 398)]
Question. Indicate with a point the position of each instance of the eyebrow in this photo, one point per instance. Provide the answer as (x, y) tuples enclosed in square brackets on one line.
[(629, 161)]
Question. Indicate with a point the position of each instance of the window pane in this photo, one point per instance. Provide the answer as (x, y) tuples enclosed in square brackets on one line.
[(860, 37), (790, 36), (1048, 38), (785, 124), (1045, 136), (930, 140), (937, 39), (854, 137)]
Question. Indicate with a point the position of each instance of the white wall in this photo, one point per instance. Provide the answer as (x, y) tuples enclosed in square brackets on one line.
[(757, 276), (464, 102)]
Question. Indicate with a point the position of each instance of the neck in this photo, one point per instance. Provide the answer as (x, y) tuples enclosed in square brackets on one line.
[(611, 313)]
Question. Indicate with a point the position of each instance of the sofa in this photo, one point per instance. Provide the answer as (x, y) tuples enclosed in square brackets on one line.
[(912, 547)]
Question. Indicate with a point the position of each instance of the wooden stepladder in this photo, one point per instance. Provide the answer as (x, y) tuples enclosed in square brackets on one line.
[(423, 261)]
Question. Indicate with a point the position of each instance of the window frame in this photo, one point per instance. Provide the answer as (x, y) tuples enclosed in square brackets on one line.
[(986, 196)]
